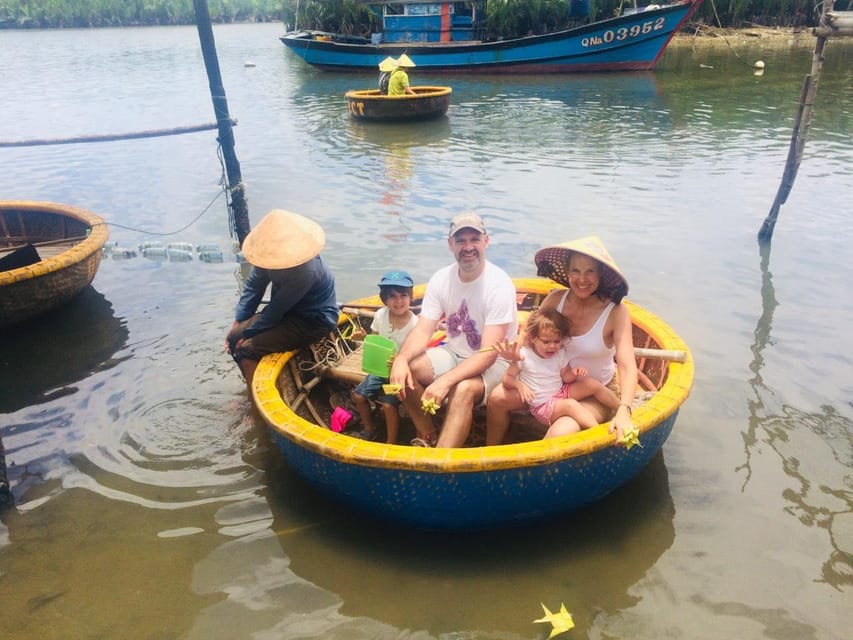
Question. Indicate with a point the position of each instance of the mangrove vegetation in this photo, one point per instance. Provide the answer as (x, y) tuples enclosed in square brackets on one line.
[(503, 18), (46, 14)]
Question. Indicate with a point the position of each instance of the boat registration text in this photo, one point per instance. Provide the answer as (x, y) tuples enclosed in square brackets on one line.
[(624, 33)]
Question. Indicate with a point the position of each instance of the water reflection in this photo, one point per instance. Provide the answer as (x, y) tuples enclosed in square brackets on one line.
[(788, 431), (478, 582), (392, 150), (84, 336)]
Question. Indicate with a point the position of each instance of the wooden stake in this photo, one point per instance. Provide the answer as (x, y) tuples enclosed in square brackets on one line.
[(239, 208), (801, 128)]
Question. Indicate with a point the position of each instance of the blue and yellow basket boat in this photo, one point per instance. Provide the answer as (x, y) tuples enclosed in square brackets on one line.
[(474, 487)]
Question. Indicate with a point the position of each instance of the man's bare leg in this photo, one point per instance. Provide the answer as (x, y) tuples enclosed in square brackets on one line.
[(422, 373), (460, 412)]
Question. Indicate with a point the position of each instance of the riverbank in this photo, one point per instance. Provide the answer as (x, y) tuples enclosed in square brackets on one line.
[(701, 34)]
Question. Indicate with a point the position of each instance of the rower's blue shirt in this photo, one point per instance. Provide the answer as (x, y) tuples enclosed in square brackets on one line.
[(306, 291)]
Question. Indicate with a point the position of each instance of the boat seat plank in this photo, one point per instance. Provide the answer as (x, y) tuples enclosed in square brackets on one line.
[(347, 369), (44, 250)]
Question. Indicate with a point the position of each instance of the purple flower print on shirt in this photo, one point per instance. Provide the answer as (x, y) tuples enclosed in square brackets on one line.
[(459, 322)]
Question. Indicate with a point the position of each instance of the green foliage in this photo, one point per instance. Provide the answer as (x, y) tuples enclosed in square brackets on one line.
[(336, 16), (504, 18), (513, 18), (105, 13), (771, 13)]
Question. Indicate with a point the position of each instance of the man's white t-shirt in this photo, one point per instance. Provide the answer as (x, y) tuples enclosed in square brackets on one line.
[(469, 307)]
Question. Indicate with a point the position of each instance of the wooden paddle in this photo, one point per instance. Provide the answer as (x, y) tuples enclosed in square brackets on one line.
[(670, 355)]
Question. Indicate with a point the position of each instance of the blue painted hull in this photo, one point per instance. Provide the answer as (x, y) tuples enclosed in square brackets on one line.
[(627, 43), (470, 500)]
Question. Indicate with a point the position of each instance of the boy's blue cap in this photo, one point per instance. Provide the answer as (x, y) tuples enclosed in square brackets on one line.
[(396, 279)]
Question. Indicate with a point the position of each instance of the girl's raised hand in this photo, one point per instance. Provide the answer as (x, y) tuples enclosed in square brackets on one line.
[(509, 350)]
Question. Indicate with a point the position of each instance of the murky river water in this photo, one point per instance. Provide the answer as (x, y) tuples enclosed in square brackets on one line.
[(150, 502)]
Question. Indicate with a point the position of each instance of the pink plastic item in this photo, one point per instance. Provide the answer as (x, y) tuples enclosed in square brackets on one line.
[(340, 419)]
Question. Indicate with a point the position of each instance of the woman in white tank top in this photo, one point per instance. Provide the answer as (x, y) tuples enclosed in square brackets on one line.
[(601, 335)]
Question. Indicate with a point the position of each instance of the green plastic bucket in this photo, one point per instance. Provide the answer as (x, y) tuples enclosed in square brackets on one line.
[(375, 355)]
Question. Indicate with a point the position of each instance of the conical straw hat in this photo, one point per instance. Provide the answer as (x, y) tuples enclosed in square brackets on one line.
[(387, 65), (405, 61), (282, 240), (553, 263)]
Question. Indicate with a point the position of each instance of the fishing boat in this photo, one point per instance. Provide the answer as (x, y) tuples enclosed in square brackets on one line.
[(476, 486), (49, 253), (447, 36), (371, 104)]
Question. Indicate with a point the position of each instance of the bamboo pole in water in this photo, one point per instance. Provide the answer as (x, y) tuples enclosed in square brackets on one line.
[(151, 133), (239, 207), (801, 125)]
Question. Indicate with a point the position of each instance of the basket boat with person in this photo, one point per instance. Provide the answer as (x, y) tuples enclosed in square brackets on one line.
[(372, 105), (474, 486), (395, 100)]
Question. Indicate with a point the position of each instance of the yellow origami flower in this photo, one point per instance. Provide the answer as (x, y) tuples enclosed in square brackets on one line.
[(561, 622), (429, 405), (391, 389), (631, 437)]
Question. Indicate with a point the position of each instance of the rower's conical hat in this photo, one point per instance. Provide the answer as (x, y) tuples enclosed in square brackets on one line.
[(405, 61), (387, 65), (283, 239), (553, 262)]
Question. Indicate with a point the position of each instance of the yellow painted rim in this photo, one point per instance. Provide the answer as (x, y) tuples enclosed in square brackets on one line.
[(98, 234), (350, 450)]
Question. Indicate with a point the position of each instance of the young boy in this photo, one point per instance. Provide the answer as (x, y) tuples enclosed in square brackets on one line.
[(394, 321)]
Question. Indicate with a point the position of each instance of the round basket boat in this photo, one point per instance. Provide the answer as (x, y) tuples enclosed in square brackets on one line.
[(370, 104), (60, 247), (472, 487)]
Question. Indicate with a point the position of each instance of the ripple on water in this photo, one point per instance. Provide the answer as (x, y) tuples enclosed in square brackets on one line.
[(176, 453)]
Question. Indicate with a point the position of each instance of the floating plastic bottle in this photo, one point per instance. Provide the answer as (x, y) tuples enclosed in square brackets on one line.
[(109, 246), (143, 246), (210, 256), (155, 253), (122, 253), (181, 246), (206, 247), (179, 255)]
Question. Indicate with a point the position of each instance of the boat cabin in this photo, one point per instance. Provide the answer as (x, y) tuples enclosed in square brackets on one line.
[(429, 21)]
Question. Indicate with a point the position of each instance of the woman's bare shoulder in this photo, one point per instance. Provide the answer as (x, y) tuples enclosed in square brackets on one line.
[(552, 298), (620, 316)]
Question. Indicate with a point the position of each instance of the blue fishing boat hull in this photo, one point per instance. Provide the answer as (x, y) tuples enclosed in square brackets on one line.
[(632, 42)]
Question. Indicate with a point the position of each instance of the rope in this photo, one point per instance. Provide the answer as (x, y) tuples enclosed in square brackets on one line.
[(332, 349), (223, 182), (155, 133), (166, 233), (229, 200), (720, 24)]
